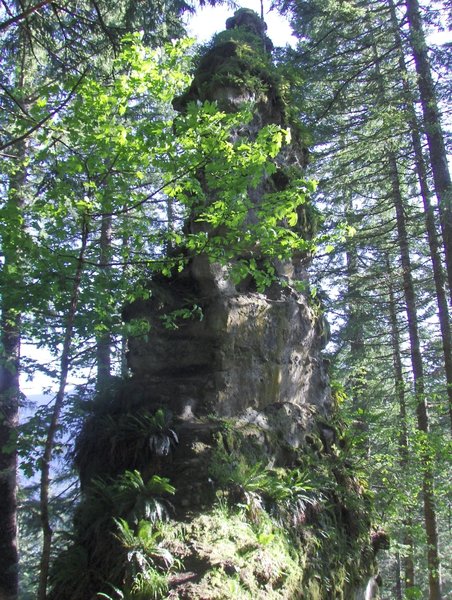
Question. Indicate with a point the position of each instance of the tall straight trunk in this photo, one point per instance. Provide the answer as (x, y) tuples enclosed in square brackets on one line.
[(104, 341), (125, 243), (170, 225), (433, 131), (54, 422), (354, 317), (9, 397), (419, 390), (355, 329), (407, 539), (9, 419), (10, 337), (434, 245), (398, 579), (416, 363)]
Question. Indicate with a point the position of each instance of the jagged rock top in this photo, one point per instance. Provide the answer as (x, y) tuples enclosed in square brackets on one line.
[(251, 22), (237, 68)]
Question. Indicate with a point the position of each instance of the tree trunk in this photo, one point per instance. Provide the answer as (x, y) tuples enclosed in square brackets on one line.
[(418, 379), (407, 539), (355, 336), (398, 579), (103, 350), (54, 422), (438, 273), (416, 364), (124, 368), (9, 419), (170, 225), (432, 125), (11, 296), (13, 245)]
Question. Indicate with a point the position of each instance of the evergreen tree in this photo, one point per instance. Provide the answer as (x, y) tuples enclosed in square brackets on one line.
[(367, 137), (44, 45), (432, 127)]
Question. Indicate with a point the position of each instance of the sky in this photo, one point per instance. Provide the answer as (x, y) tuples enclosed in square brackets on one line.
[(210, 20)]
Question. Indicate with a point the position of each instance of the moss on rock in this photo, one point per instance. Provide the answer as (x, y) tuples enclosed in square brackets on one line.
[(261, 505), (239, 559), (236, 68), (269, 521)]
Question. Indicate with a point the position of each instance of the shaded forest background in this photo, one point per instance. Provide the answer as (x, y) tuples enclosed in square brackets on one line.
[(97, 178)]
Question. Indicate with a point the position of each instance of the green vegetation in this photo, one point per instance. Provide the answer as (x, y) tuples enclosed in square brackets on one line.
[(389, 300), (105, 188), (115, 541), (299, 529), (239, 59)]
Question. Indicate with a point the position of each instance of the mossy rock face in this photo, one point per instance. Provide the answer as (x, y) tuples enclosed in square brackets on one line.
[(250, 21), (260, 511), (216, 471), (250, 350), (238, 69), (232, 558)]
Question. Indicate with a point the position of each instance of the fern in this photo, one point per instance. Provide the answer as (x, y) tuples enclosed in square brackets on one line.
[(145, 557)]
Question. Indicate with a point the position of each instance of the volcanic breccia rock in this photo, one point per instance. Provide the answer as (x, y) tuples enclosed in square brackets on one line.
[(244, 391), (246, 349), (250, 358)]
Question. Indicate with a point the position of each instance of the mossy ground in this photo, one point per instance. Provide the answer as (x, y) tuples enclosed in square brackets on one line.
[(235, 558), (273, 531)]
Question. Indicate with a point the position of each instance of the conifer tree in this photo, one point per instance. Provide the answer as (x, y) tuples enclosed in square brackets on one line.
[(432, 127), (368, 141)]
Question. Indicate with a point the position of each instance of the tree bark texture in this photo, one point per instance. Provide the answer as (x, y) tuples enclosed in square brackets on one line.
[(407, 539), (398, 579), (104, 341), (433, 131), (11, 297), (418, 379), (54, 422), (9, 420), (416, 364), (355, 335), (430, 225)]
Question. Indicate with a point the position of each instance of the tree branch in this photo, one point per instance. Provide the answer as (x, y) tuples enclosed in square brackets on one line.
[(46, 118), (23, 15)]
